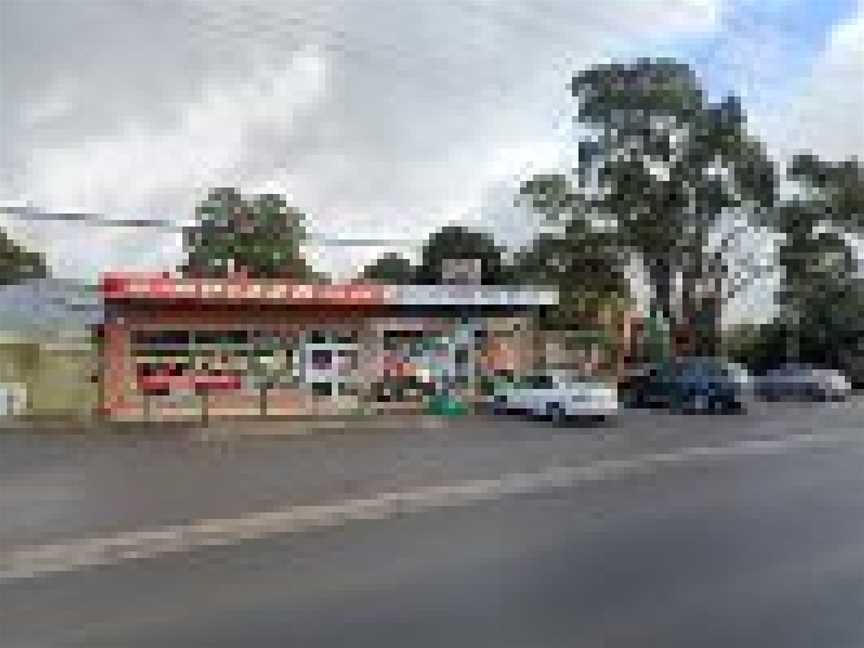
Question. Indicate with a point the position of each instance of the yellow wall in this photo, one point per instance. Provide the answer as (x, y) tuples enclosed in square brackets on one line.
[(61, 384), (56, 378), (17, 362)]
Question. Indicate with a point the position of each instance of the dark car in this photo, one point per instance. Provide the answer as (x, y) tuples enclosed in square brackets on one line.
[(686, 384)]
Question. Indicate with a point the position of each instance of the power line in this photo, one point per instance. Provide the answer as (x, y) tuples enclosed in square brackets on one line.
[(94, 219), (89, 218)]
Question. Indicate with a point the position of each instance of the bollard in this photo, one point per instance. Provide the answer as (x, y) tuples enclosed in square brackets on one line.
[(205, 407)]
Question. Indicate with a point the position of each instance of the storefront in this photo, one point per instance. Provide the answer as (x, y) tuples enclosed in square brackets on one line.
[(178, 348)]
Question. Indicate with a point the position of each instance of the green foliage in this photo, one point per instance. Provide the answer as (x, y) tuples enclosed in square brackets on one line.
[(18, 264), (664, 163), (456, 242), (585, 263), (837, 187), (260, 236), (389, 269), (822, 299)]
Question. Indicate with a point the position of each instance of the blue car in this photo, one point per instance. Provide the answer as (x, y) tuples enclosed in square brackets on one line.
[(687, 384)]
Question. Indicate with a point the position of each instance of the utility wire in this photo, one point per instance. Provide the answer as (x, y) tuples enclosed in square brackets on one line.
[(93, 219)]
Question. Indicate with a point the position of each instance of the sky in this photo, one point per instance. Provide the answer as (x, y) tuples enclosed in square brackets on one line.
[(377, 118)]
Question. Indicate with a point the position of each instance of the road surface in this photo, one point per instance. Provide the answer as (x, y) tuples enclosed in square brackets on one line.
[(708, 531)]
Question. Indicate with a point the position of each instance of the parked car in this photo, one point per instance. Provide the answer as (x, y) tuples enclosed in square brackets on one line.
[(742, 377), (558, 397), (686, 384), (802, 383)]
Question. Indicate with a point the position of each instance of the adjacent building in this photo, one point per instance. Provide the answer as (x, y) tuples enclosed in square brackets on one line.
[(48, 358)]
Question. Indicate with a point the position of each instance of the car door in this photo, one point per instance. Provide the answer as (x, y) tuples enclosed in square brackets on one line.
[(542, 393)]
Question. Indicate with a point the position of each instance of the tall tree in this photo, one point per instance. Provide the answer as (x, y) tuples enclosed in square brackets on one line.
[(822, 299), (461, 243), (664, 163), (18, 264), (586, 263), (260, 236)]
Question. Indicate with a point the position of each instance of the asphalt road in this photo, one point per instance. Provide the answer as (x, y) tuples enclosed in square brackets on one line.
[(703, 548)]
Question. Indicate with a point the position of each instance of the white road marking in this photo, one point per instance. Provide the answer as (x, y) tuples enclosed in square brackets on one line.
[(37, 560)]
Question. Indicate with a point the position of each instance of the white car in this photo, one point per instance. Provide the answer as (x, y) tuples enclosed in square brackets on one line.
[(741, 376), (558, 397)]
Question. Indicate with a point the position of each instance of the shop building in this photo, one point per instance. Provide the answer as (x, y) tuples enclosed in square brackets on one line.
[(177, 347)]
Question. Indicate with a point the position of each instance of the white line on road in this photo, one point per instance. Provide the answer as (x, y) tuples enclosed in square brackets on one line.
[(37, 560)]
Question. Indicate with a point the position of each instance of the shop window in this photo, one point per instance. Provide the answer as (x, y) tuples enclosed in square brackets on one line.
[(347, 360), (461, 357), (317, 337), (156, 338), (222, 337), (348, 389), (347, 337), (322, 359), (322, 388)]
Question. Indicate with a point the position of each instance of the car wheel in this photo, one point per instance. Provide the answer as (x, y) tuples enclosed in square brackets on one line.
[(499, 405), (555, 412), (733, 407)]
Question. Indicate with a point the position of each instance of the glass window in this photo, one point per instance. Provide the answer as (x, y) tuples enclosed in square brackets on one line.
[(160, 337), (347, 359), (317, 337), (322, 359), (222, 337), (537, 382), (347, 337), (348, 389), (322, 388)]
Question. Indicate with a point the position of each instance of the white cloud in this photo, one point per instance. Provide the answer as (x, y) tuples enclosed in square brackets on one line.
[(827, 115), (144, 172), (417, 115), (118, 174)]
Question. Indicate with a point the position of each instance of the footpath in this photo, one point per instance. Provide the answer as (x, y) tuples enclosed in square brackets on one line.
[(262, 427)]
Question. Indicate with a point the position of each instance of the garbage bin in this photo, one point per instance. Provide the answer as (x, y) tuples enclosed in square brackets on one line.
[(446, 406)]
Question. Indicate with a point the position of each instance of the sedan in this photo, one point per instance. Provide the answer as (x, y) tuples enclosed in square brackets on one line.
[(689, 384), (802, 383), (558, 398)]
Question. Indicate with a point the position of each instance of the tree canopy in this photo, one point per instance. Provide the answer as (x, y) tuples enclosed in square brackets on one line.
[(661, 163), (585, 263), (389, 268), (18, 264), (454, 243), (260, 236), (822, 297)]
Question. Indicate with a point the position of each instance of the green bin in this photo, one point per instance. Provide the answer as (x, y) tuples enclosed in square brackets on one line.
[(446, 406)]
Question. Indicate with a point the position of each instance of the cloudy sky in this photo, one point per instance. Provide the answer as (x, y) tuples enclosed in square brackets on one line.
[(376, 117)]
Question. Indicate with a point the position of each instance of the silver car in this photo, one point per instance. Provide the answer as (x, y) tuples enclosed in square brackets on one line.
[(802, 382)]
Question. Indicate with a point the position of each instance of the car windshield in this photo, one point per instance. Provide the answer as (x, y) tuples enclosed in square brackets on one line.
[(793, 370), (701, 367), (537, 382)]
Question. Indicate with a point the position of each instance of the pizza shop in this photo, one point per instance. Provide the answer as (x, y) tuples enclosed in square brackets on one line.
[(180, 348)]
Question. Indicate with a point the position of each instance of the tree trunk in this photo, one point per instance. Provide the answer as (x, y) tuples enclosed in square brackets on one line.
[(660, 274)]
